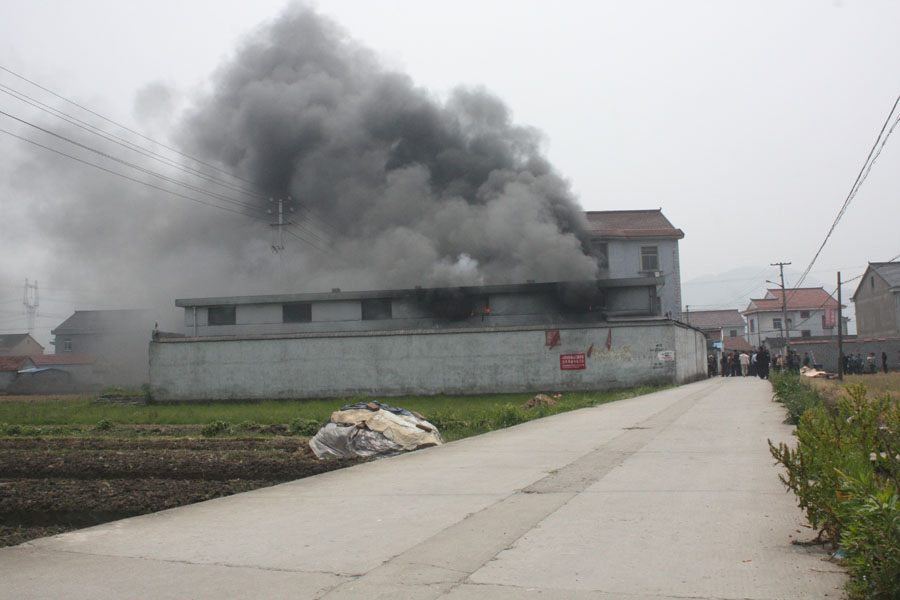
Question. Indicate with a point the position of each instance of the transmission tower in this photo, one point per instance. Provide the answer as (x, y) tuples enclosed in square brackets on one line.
[(31, 301)]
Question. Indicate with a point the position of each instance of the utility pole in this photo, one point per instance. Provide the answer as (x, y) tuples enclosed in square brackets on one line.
[(31, 301), (840, 324), (278, 246), (787, 329)]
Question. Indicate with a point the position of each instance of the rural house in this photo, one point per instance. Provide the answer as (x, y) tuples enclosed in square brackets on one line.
[(19, 344), (877, 300), (639, 243), (811, 312)]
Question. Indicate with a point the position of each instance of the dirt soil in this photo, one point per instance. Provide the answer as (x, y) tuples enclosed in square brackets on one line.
[(52, 485)]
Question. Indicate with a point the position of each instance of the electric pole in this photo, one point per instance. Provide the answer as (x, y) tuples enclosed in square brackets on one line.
[(31, 302), (278, 246), (840, 323), (787, 329)]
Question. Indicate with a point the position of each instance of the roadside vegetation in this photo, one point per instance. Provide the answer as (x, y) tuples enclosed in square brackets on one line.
[(845, 472)]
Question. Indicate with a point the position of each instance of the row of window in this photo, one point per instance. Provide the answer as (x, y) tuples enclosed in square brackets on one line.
[(301, 312), (649, 256)]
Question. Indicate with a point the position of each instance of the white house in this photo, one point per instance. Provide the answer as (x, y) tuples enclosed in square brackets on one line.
[(811, 312), (639, 243)]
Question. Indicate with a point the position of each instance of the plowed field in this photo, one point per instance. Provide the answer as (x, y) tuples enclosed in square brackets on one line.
[(51, 485)]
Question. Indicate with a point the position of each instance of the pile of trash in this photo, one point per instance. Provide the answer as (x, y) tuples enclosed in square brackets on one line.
[(373, 429)]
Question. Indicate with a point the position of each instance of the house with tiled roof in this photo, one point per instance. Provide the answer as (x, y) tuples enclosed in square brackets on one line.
[(811, 312), (717, 324), (877, 300), (9, 369), (639, 243), (19, 344)]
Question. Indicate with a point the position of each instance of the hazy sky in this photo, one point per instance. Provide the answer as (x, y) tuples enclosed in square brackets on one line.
[(746, 122)]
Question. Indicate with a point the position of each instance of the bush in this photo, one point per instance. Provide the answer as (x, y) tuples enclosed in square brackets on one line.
[(104, 425), (845, 471), (796, 396), (306, 427), (213, 429)]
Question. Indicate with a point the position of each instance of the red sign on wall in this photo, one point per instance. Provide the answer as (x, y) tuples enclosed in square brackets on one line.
[(571, 362)]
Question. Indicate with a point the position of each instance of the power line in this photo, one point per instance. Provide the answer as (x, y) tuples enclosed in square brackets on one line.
[(137, 133), (860, 178)]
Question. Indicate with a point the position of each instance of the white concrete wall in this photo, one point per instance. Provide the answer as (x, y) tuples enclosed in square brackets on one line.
[(455, 361)]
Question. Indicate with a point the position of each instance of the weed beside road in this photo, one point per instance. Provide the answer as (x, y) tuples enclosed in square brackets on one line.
[(845, 472)]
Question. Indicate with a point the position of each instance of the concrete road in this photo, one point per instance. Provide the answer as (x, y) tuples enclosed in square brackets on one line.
[(669, 495)]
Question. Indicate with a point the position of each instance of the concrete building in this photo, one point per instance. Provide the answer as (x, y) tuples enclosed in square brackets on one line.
[(717, 324), (120, 337), (19, 344), (877, 300), (639, 243), (489, 339), (811, 312)]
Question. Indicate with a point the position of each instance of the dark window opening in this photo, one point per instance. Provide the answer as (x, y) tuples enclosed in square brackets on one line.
[(804, 314), (67, 345), (222, 315), (806, 333), (600, 251), (649, 258), (300, 312), (732, 333), (776, 323), (376, 308), (752, 325)]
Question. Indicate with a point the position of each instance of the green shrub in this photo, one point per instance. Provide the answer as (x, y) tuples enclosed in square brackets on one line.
[(104, 425), (213, 429), (845, 471), (796, 396), (306, 427)]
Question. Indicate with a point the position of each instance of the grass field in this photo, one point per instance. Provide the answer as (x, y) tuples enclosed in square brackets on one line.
[(455, 416), (877, 385)]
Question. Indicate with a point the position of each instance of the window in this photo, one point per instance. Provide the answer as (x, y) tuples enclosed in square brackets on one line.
[(649, 258), (872, 281), (752, 325), (600, 251), (221, 315), (804, 314), (298, 312), (376, 308), (67, 345), (806, 333), (732, 333), (776, 323)]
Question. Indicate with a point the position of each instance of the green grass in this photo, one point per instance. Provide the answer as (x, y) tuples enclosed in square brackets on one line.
[(455, 416)]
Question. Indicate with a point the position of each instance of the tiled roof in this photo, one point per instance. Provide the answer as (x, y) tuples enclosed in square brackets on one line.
[(714, 319), (631, 224), (11, 363), (797, 299), (736, 343), (8, 340), (105, 321), (50, 360)]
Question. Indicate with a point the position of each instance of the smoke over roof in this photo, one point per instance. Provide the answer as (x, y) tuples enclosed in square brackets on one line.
[(391, 186), (402, 188)]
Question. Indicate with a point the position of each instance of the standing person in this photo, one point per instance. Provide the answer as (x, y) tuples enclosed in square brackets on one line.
[(744, 359), (884, 361), (806, 359), (724, 362), (762, 363)]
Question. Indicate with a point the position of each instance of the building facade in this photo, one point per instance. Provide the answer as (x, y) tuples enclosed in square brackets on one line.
[(810, 312), (19, 344), (877, 301), (639, 243), (119, 337), (529, 337)]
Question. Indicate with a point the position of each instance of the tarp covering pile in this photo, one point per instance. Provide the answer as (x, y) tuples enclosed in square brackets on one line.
[(373, 429)]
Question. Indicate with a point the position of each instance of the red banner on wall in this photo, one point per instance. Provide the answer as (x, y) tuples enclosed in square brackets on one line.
[(830, 318), (572, 362)]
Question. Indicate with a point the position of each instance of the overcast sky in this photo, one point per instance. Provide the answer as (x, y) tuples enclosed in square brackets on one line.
[(746, 122)]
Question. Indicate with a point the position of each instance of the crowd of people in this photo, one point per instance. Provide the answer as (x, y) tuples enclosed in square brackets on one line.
[(760, 362), (741, 364)]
